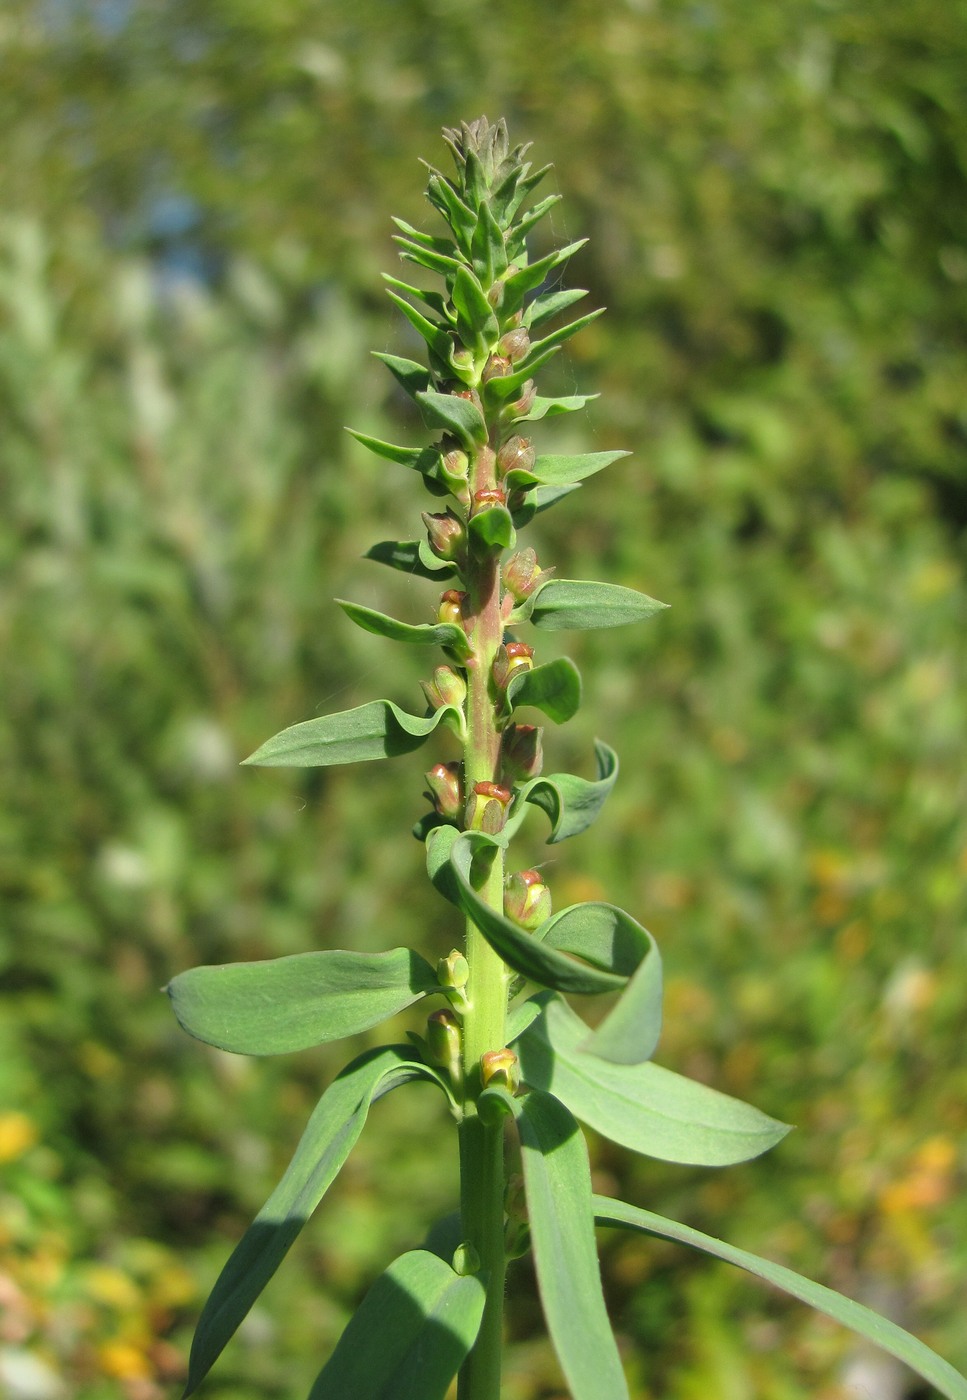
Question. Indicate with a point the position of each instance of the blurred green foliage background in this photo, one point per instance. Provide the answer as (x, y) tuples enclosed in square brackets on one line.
[(196, 206)]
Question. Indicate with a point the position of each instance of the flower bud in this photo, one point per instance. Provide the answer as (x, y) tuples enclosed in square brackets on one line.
[(495, 368), (526, 401), (461, 357), (466, 1260), (447, 535), (515, 344), (453, 970), (451, 607), (521, 574), (517, 454), (521, 753), (500, 1069), (487, 808), (514, 657), (454, 466), (527, 900), (447, 687), (470, 395), (486, 497), (443, 1042), (445, 784)]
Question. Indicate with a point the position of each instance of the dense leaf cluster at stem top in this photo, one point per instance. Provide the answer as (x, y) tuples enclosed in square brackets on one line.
[(504, 1042)]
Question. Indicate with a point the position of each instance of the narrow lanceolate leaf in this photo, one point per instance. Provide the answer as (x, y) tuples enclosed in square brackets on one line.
[(456, 415), (651, 1110), (608, 937), (559, 471), (539, 348), (408, 557), (551, 408), (433, 261), (554, 688), (542, 308), (435, 336), (409, 1336), (450, 856), (531, 276), (445, 199), (533, 217), (473, 308), (571, 803), (379, 729), (423, 634), (563, 604), (420, 459), (434, 300), (330, 1136), (557, 1184), (540, 498), (409, 374), (286, 1004), (862, 1320)]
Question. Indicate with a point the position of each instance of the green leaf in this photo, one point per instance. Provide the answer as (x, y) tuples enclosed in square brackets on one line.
[(494, 527), (505, 386), (552, 408), (409, 1336), (408, 557), (532, 217), (644, 1107), (571, 803), (862, 1320), (563, 604), (418, 253), (434, 300), (539, 348), (560, 471), (450, 857), (487, 249), (538, 499), (473, 309), (608, 937), (447, 202), (434, 335), (527, 278), (378, 729), (330, 1136), (554, 688), (421, 459), (411, 376), (286, 1004), (456, 415), (557, 1185), (423, 634), (425, 240), (542, 308)]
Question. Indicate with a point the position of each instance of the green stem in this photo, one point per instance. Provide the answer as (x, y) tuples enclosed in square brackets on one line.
[(481, 1147)]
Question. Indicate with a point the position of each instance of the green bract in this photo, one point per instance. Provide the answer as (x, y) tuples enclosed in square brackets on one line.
[(501, 1042)]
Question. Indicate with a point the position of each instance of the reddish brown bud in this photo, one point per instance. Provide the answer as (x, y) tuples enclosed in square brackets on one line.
[(525, 403), (521, 574), (446, 534), (521, 753), (487, 808), (487, 497), (515, 344), (451, 607), (445, 783), (527, 900), (470, 395), (517, 454), (443, 1041), (495, 368), (514, 657)]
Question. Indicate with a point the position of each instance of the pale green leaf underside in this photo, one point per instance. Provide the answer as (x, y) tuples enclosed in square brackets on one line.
[(572, 803), (557, 1184), (563, 604), (425, 634), (456, 415), (329, 1138), (286, 1004), (408, 557), (560, 471), (879, 1330), (450, 856), (409, 1336), (644, 1107), (378, 729), (554, 688)]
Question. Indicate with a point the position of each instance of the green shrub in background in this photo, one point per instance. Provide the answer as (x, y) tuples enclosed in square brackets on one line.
[(781, 251)]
